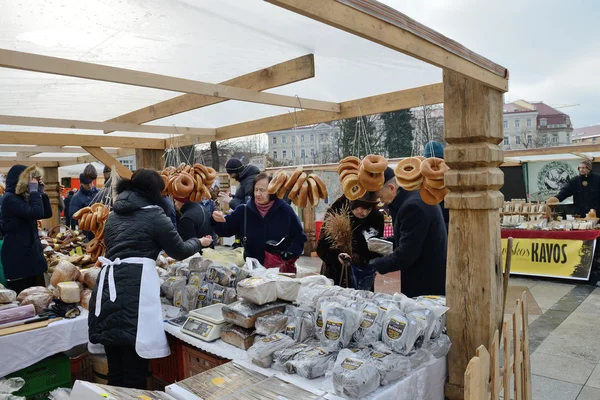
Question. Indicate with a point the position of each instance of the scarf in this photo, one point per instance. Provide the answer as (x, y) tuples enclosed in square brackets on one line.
[(263, 209)]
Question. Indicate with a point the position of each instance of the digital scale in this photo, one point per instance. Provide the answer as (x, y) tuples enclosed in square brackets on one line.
[(205, 323)]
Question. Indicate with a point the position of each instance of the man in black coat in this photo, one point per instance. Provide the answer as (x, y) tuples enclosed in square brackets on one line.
[(245, 176), (585, 189), (420, 241), (67, 207), (194, 222)]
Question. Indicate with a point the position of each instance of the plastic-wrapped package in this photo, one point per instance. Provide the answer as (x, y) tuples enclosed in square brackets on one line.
[(54, 291), (257, 290), (89, 276), (11, 385), (190, 300), (204, 294), (225, 257), (17, 313), (238, 336), (85, 298), (219, 274), (244, 314), (318, 313), (199, 264), (183, 271), (355, 294), (258, 338), (65, 272), (271, 324), (439, 347), (195, 278), (311, 363), (426, 322), (370, 327), (300, 327), (223, 295), (353, 377), (237, 274), (40, 301), (173, 268), (308, 296), (400, 332), (178, 297), (439, 311), (173, 285), (32, 290), (162, 262), (287, 288), (162, 273), (319, 280), (339, 324), (418, 358), (404, 302), (261, 353), (281, 357), (382, 296), (380, 246), (69, 292), (391, 366), (60, 394)]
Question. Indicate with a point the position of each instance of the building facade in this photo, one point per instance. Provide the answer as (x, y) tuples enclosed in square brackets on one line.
[(587, 135), (535, 124), (316, 144)]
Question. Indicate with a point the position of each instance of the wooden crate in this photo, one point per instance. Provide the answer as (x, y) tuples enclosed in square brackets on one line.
[(196, 361)]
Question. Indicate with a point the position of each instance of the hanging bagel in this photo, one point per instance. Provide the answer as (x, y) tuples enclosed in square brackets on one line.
[(435, 184), (204, 194), (434, 168), (183, 186), (180, 168), (408, 169), (374, 164), (211, 174), (81, 212), (313, 191), (351, 159), (291, 181), (370, 181), (278, 180), (303, 195), (323, 194), (281, 192), (352, 189), (347, 166), (432, 196), (92, 246), (346, 173)]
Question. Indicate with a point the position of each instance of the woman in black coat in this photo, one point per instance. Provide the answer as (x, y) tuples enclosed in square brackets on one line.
[(194, 221), (366, 221), (23, 204), (125, 311)]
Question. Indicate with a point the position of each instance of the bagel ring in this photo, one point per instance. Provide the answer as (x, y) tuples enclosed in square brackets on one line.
[(291, 181), (211, 174), (369, 181), (432, 196), (351, 159), (313, 191), (352, 189), (435, 184), (278, 180), (92, 246), (346, 173), (421, 158), (298, 185), (180, 167), (205, 194), (374, 164), (201, 168), (410, 186), (81, 212), (187, 168), (347, 166), (169, 170), (183, 186), (323, 194), (281, 192), (303, 195), (408, 169), (165, 180), (434, 168)]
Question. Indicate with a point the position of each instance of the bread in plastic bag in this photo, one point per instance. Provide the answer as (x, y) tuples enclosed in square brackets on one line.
[(89, 276), (244, 314), (222, 295), (287, 288), (281, 357), (439, 347), (219, 274), (400, 331), (371, 322), (190, 300), (85, 298), (65, 272), (257, 290), (60, 394), (438, 299), (300, 326), (183, 271), (54, 291), (318, 313), (173, 285), (224, 257), (11, 385), (204, 294), (353, 377), (271, 324), (308, 296), (178, 297), (40, 301), (199, 264), (311, 363), (391, 366), (261, 352), (420, 357), (196, 278), (237, 336), (32, 290), (69, 292), (319, 280), (439, 314), (339, 324), (380, 246)]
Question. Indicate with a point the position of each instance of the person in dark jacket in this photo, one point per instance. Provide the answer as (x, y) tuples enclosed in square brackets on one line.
[(435, 149), (68, 199), (23, 204), (83, 197), (194, 221), (210, 207), (244, 175), (585, 189), (420, 241), (366, 221), (264, 218), (125, 313)]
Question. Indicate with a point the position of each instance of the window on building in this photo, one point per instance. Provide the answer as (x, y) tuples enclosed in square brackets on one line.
[(568, 137), (517, 139), (284, 154), (543, 122), (529, 140), (284, 139), (505, 123), (517, 123), (529, 122), (312, 137), (302, 153), (555, 138), (506, 141), (312, 152), (274, 139), (293, 153), (128, 164), (274, 155), (302, 138), (293, 139)]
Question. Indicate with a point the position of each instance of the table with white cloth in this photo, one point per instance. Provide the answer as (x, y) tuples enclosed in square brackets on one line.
[(20, 350), (427, 383)]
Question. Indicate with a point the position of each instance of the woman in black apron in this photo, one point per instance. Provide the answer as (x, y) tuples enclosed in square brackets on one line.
[(125, 310)]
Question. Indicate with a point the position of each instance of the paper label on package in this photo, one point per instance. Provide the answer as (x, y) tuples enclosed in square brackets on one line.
[(194, 280), (333, 329), (379, 354), (351, 364), (319, 322), (273, 338), (253, 282), (290, 330), (369, 316), (217, 296), (202, 293), (316, 352)]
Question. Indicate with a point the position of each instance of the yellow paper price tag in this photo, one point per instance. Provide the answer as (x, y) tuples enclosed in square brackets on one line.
[(79, 251), (72, 253)]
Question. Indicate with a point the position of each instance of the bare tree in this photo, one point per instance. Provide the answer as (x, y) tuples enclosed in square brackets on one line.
[(531, 140), (428, 123)]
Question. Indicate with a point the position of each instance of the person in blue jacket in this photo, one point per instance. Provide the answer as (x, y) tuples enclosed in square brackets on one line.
[(83, 197), (24, 203), (264, 218)]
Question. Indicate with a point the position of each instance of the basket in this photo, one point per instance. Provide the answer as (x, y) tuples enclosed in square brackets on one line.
[(82, 368), (45, 376), (169, 369)]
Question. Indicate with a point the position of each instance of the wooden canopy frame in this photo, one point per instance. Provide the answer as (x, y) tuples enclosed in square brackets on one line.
[(472, 91)]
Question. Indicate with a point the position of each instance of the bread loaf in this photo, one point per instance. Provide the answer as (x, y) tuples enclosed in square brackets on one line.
[(237, 336), (257, 290), (40, 301), (7, 296), (65, 272), (32, 290), (90, 276), (244, 314), (85, 298), (69, 292)]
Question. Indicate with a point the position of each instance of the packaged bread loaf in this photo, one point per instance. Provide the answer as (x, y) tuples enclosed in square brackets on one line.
[(190, 300), (400, 332), (65, 272), (281, 357), (339, 324), (90, 276), (391, 366), (370, 327), (244, 314), (311, 363), (287, 288), (33, 290), (69, 292), (196, 278), (199, 264), (261, 352), (300, 326), (85, 298), (353, 377), (438, 309), (223, 295), (238, 336), (7, 296), (271, 324), (40, 301), (257, 290), (204, 294), (173, 285), (219, 274)]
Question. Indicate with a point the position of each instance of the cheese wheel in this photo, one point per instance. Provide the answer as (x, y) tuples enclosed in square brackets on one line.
[(69, 292)]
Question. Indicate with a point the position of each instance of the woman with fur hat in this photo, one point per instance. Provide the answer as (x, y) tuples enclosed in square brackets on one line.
[(23, 204)]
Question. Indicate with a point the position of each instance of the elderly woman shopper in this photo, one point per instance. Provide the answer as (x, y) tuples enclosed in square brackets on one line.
[(365, 221), (265, 218), (23, 204), (125, 311)]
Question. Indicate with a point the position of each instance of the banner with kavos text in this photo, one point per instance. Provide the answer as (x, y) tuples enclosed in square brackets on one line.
[(559, 258)]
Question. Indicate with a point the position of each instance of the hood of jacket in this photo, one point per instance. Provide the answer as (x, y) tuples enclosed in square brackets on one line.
[(248, 172), (17, 179), (130, 201)]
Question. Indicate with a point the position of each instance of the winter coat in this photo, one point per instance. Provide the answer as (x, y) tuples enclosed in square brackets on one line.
[(585, 197), (194, 221), (82, 198), (210, 207), (244, 189), (21, 252), (280, 221), (420, 246), (68, 210), (135, 228), (372, 226)]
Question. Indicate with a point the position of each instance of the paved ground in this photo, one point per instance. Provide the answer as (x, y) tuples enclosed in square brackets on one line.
[(564, 327)]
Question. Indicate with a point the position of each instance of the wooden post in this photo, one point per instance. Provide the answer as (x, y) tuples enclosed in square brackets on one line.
[(145, 158), (473, 129), (308, 220), (52, 186)]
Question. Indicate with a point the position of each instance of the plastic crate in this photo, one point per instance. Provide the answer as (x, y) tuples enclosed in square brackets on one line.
[(82, 368), (169, 369), (45, 376)]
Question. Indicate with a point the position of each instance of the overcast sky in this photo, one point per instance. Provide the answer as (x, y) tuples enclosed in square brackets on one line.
[(551, 48)]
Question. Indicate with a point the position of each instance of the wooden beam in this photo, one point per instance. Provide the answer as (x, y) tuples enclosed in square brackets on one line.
[(26, 154), (109, 161), (101, 126), (584, 156), (9, 162), (47, 149), (89, 158), (52, 182), (35, 160), (149, 159), (78, 69), (71, 139), (295, 70), (386, 28), (401, 100), (582, 148)]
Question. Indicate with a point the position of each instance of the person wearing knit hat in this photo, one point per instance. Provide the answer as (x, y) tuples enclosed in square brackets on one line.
[(585, 189), (83, 198), (244, 175), (420, 241), (106, 172), (434, 149)]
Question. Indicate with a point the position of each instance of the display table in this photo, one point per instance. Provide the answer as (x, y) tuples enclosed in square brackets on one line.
[(426, 383), (557, 254), (20, 350)]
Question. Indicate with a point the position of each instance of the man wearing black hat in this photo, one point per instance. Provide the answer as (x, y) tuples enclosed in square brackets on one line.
[(585, 189), (106, 173), (420, 241), (84, 196), (245, 176)]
